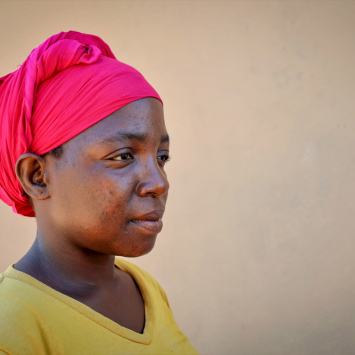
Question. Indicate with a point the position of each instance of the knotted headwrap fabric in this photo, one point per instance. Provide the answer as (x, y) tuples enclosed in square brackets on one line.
[(67, 84)]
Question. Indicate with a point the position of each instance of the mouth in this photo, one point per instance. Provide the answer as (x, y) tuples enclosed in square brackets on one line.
[(150, 223)]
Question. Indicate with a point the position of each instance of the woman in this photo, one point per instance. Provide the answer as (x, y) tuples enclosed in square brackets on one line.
[(83, 148)]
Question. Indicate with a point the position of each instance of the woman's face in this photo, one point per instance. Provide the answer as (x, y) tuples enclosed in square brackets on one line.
[(109, 189)]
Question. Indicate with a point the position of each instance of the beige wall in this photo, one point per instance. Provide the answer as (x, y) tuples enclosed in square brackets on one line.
[(257, 252)]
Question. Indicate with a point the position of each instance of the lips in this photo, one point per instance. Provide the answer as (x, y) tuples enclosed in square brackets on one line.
[(150, 223)]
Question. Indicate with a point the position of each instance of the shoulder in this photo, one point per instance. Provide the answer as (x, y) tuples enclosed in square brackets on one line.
[(12, 298), (15, 296), (17, 315), (142, 276)]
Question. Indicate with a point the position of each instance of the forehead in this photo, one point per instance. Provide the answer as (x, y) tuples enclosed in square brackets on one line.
[(143, 117)]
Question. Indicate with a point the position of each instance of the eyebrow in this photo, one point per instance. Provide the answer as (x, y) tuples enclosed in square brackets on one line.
[(130, 136)]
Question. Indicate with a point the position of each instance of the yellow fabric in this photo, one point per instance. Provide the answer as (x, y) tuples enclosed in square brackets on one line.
[(36, 319)]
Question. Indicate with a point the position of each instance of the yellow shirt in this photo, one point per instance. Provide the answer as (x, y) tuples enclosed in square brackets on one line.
[(36, 319)]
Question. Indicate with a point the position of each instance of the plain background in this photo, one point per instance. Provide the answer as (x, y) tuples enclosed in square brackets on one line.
[(257, 251)]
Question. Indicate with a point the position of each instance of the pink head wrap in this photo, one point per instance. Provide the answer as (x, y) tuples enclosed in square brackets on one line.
[(66, 85)]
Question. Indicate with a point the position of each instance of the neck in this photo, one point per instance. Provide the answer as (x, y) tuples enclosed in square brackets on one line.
[(69, 269)]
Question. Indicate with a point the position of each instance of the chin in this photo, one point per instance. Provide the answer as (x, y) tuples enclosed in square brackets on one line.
[(143, 248)]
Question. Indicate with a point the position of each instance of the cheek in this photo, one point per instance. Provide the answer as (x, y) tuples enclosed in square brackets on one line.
[(94, 211), (93, 200)]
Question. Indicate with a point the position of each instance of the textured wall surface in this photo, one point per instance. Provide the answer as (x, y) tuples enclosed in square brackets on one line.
[(257, 252)]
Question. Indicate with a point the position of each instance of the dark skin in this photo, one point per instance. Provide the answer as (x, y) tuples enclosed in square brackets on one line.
[(104, 196)]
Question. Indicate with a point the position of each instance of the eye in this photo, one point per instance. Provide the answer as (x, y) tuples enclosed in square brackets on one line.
[(123, 157), (163, 158)]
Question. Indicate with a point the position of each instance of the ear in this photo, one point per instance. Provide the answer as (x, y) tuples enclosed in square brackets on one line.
[(31, 173)]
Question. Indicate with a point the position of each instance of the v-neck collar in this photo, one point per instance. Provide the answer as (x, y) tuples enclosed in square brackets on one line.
[(149, 306)]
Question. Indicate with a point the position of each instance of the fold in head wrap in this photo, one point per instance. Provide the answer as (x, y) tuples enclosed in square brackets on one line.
[(66, 85)]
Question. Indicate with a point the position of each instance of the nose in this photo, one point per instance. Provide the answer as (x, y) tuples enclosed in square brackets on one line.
[(153, 181)]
